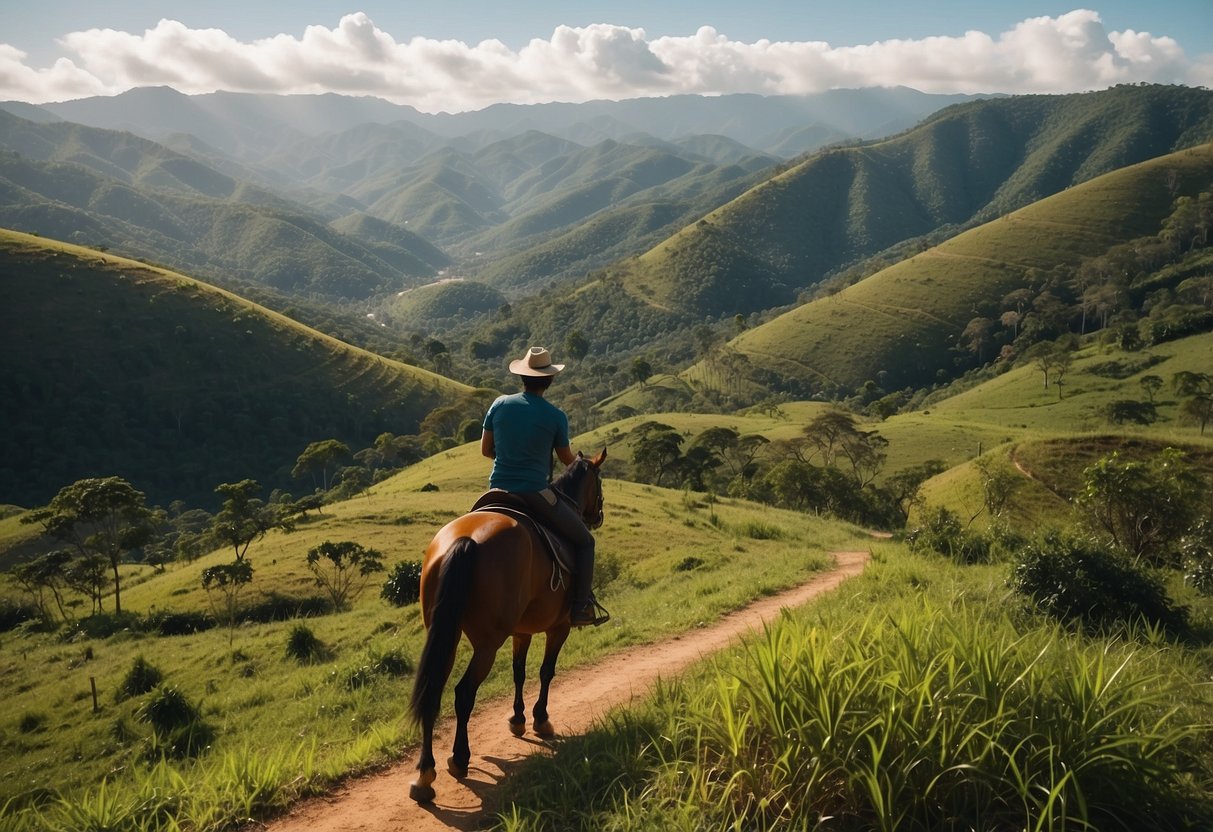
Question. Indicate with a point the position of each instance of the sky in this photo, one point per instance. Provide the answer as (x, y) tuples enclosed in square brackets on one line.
[(454, 55)]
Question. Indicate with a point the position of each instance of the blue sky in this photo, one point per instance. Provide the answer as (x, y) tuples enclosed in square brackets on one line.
[(433, 56)]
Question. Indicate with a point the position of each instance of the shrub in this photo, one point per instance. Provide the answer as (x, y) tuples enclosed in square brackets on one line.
[(141, 678), (178, 623), (303, 646), (941, 532), (689, 563), (392, 662), (403, 584), (31, 722), (1075, 580), (14, 612), (176, 722)]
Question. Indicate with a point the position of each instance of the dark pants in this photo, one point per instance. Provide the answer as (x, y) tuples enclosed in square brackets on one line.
[(561, 518)]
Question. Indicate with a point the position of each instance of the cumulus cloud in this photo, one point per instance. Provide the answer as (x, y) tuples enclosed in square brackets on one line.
[(1070, 52)]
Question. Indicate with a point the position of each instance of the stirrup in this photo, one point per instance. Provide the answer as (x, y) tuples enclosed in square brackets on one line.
[(595, 615)]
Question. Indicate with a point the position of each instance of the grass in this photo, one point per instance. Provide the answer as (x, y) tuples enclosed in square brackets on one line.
[(917, 697), (343, 713), (879, 324)]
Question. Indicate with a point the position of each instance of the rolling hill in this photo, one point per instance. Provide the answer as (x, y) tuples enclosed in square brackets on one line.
[(966, 164), (112, 367), (902, 323)]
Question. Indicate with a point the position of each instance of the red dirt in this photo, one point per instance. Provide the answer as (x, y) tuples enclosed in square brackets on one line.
[(381, 803)]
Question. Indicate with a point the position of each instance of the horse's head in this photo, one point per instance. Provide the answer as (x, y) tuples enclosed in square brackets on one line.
[(582, 484)]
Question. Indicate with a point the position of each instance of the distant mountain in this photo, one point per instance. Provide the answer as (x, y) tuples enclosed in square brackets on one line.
[(965, 164), (111, 189), (111, 367), (253, 126)]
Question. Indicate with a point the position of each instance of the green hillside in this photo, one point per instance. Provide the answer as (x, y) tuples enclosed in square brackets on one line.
[(902, 324), (452, 300), (968, 163), (114, 367)]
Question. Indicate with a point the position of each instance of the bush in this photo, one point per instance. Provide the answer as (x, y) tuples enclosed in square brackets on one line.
[(388, 663), (403, 585), (177, 726), (13, 613), (278, 607), (303, 646), (31, 722), (178, 623), (1077, 581), (141, 678), (941, 532)]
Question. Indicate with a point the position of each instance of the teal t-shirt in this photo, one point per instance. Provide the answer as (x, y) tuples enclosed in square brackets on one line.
[(525, 429)]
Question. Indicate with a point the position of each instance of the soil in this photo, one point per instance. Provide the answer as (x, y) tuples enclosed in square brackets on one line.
[(380, 802)]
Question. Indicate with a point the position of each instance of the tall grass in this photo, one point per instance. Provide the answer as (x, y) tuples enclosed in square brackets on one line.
[(924, 715)]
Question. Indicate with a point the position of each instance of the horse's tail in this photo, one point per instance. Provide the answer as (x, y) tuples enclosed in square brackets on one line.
[(454, 584)]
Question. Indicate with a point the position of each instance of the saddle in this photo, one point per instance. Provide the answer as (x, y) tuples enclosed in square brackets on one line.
[(511, 505)]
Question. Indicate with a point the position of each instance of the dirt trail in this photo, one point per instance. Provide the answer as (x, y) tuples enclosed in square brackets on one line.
[(380, 803)]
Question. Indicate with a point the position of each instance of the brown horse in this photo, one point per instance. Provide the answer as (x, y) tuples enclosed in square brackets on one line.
[(488, 576)]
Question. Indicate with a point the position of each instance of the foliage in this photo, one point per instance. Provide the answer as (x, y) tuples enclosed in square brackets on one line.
[(244, 517), (142, 677), (403, 584), (178, 729), (227, 581), (941, 531), (1143, 507), (343, 569), (302, 645), (932, 713), (1076, 580), (102, 517)]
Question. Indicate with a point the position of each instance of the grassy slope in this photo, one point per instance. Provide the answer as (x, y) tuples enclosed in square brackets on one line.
[(114, 367), (906, 318), (266, 702), (966, 162)]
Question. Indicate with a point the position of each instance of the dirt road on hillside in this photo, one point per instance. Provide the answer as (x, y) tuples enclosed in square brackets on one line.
[(380, 803)]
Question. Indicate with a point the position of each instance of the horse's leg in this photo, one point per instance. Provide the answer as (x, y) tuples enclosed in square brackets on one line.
[(422, 789), (553, 641), (522, 643), (465, 699)]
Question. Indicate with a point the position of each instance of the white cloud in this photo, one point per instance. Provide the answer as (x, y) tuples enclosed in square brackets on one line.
[(1045, 54)]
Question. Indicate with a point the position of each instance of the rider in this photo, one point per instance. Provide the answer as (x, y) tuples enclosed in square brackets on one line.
[(520, 433)]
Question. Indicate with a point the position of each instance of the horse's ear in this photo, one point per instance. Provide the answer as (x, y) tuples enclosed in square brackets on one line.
[(599, 458)]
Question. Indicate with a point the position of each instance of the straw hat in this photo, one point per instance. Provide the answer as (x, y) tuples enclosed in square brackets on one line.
[(538, 363)]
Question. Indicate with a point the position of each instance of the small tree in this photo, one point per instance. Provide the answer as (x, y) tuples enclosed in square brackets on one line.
[(1151, 384), (321, 458), (343, 569), (45, 573), (244, 517), (105, 517), (223, 585), (1198, 388)]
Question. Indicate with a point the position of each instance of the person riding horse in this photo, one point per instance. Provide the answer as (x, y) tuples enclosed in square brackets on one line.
[(520, 432)]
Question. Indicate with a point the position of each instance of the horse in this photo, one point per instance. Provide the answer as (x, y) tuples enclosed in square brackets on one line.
[(488, 576)]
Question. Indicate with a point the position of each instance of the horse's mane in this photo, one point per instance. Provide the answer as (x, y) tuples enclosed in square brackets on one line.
[(569, 481)]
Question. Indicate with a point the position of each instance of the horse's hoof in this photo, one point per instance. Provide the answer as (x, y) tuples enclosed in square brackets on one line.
[(457, 771), (421, 793), (544, 729), (518, 728)]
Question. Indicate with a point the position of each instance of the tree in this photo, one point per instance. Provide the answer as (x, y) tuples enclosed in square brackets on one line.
[(655, 451), (905, 486), (244, 517), (1121, 411), (998, 485), (99, 516), (1143, 507), (576, 345), (1198, 387), (343, 569), (641, 370), (45, 573), (1151, 384), (978, 335), (321, 458), (227, 581)]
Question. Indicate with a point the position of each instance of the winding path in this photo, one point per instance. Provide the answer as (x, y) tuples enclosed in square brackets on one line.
[(380, 802)]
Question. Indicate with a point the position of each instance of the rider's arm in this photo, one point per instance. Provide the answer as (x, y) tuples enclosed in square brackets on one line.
[(566, 455), (487, 448)]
